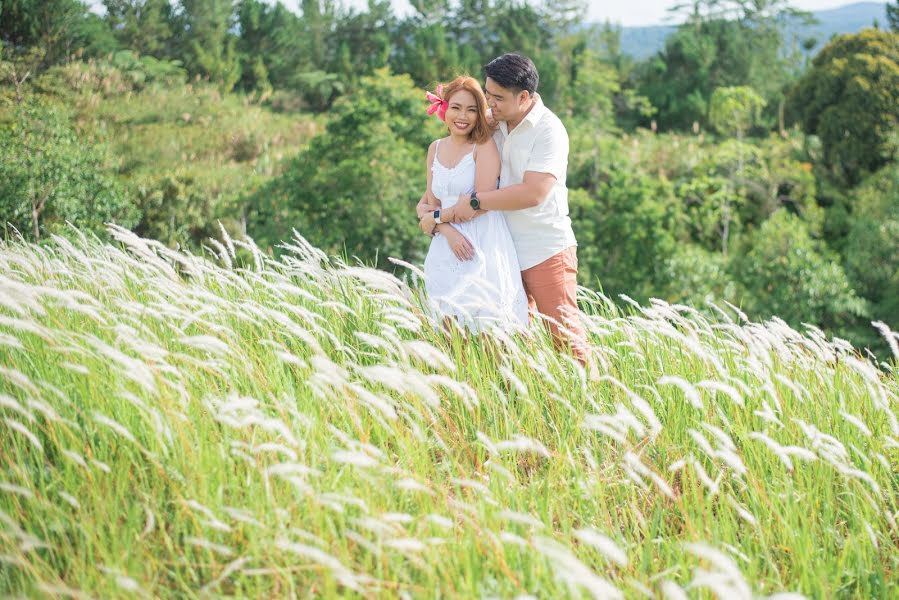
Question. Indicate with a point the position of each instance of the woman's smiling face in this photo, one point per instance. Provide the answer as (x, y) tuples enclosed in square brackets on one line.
[(462, 113)]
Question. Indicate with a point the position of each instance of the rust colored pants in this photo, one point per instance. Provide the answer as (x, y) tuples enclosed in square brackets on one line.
[(551, 288)]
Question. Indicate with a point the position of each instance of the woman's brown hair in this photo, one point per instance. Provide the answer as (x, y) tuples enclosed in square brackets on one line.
[(482, 131)]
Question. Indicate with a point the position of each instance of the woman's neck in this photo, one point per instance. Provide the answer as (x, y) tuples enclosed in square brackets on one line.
[(459, 140)]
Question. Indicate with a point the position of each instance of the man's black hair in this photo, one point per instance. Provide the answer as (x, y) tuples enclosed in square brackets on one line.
[(513, 71)]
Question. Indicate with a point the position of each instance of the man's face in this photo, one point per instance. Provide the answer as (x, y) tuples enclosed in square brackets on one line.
[(505, 104)]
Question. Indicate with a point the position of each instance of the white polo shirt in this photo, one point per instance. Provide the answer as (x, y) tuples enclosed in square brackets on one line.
[(539, 143)]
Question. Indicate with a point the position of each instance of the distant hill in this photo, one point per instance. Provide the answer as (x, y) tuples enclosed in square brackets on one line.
[(642, 42)]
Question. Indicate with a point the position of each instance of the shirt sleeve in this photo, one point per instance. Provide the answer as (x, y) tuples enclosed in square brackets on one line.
[(550, 151)]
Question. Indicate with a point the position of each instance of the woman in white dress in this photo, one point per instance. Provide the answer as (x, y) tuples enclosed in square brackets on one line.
[(471, 270)]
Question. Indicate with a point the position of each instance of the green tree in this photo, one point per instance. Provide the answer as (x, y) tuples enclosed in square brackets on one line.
[(49, 25), (848, 98), (734, 109), (872, 247), (355, 188), (144, 26), (626, 230), (893, 15), (721, 44), (426, 51), (271, 45), (50, 175), (208, 46), (787, 273)]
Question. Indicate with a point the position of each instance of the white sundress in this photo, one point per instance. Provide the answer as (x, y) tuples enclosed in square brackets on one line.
[(483, 292)]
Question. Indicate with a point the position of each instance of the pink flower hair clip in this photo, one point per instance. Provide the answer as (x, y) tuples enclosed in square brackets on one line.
[(438, 104)]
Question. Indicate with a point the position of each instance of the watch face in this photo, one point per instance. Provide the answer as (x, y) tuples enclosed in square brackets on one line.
[(475, 203)]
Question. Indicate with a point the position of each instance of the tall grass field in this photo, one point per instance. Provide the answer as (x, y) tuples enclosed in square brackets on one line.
[(232, 425)]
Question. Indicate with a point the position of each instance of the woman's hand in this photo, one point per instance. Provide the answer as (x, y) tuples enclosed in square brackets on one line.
[(459, 244), (427, 223)]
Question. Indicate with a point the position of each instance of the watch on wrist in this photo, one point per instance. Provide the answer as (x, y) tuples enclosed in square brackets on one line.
[(475, 201), (437, 217)]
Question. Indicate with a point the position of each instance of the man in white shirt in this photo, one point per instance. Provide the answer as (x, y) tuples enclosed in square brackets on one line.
[(533, 144)]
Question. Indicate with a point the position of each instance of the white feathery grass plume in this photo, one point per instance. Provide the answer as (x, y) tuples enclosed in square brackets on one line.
[(356, 459), (235, 565), (412, 485), (375, 402), (855, 421), (502, 471), (101, 465), (70, 500), (516, 383), (10, 341), (429, 354), (441, 521), (462, 390), (641, 405), (221, 252), (575, 573), (406, 544), (522, 444), (12, 488), (686, 387), (521, 519), (208, 545), (728, 390), (487, 442), (713, 485), (115, 426), (241, 515), (742, 511), (24, 431), (275, 447), (795, 388), (508, 537), (417, 272), (726, 581), (606, 546), (19, 379), (343, 575), (13, 405), (892, 337), (767, 414), (207, 343), (74, 457), (633, 462), (471, 484), (672, 591)]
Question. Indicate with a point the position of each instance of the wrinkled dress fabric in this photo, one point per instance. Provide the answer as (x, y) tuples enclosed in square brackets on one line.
[(483, 292)]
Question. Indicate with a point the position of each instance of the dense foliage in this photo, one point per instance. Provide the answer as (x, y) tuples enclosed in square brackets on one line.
[(724, 168)]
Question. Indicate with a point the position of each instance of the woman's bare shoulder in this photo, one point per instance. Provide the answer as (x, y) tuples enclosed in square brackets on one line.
[(488, 147)]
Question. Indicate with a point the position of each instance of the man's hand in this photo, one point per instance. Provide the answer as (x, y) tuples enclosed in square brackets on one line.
[(427, 223), (462, 211)]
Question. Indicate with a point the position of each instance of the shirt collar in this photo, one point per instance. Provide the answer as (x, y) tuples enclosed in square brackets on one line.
[(532, 118), (536, 112)]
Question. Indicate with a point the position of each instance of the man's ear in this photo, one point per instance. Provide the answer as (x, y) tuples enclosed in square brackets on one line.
[(524, 96)]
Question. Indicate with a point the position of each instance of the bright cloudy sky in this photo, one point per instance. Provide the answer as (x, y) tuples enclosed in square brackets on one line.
[(629, 12)]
